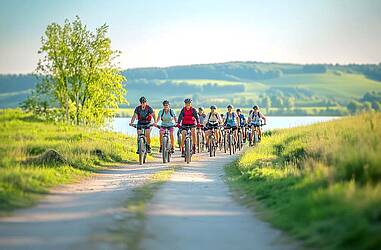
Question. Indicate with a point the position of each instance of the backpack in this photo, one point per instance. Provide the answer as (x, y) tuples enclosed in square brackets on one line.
[(170, 112)]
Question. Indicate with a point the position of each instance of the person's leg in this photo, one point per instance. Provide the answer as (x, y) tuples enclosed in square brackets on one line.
[(207, 133), (138, 131), (172, 139), (183, 133), (161, 139), (148, 138), (194, 140)]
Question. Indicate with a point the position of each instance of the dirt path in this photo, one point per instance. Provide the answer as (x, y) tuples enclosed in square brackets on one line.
[(195, 210), (69, 216)]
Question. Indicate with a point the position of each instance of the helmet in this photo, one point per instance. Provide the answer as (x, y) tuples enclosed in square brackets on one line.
[(238, 110), (188, 100), (256, 107), (142, 99), (201, 108), (166, 102), (213, 107), (229, 106)]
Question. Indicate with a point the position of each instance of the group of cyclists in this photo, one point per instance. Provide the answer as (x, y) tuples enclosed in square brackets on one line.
[(196, 119)]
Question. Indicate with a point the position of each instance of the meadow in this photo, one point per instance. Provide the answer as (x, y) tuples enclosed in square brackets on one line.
[(320, 183), (37, 155)]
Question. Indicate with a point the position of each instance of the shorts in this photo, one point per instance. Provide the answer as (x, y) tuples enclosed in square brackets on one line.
[(184, 126), (163, 129), (140, 124), (232, 127), (210, 126), (255, 124)]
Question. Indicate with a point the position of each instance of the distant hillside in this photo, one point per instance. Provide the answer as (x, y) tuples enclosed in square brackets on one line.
[(241, 83)]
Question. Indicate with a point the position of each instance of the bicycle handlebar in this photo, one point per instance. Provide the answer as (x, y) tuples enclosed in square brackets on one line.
[(164, 127), (141, 126)]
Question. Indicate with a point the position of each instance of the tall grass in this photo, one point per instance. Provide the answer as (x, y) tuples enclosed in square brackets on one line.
[(24, 139), (321, 183)]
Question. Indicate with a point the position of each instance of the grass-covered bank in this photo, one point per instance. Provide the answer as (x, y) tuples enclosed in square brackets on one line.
[(320, 183), (27, 171)]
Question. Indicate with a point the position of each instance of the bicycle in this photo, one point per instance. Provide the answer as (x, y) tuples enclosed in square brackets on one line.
[(223, 140), (142, 142), (240, 138), (255, 138), (212, 140), (200, 140), (188, 142), (166, 145), (231, 143), (179, 138)]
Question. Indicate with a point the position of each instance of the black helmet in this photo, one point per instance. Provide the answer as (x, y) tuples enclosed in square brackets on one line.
[(166, 102), (188, 100), (229, 106), (256, 107), (201, 109), (213, 107), (238, 110), (142, 99)]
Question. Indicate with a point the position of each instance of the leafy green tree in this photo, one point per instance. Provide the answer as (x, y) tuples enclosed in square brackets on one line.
[(354, 106), (77, 70)]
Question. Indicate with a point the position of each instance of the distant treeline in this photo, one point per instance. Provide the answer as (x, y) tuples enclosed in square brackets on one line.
[(241, 71)]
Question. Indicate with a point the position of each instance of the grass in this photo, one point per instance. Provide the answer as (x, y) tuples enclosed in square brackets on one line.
[(320, 183), (25, 170), (328, 84)]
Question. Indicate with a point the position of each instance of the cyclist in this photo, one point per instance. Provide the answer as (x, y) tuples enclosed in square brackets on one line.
[(255, 118), (167, 116), (144, 114), (231, 120), (242, 123), (188, 116), (213, 120), (201, 116)]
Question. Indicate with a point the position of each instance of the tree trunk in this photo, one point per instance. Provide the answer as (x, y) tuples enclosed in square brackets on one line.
[(77, 109)]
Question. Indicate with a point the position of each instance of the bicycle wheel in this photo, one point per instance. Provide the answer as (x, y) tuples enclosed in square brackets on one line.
[(141, 149), (211, 147), (198, 141), (187, 150), (230, 144), (164, 149)]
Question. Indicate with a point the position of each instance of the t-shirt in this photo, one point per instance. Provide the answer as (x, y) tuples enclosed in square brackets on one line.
[(144, 115), (167, 117), (230, 119), (202, 117), (212, 118)]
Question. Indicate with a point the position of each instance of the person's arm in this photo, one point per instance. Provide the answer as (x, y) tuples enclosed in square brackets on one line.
[(181, 115), (153, 115), (174, 116), (219, 118), (133, 117), (195, 115), (264, 118)]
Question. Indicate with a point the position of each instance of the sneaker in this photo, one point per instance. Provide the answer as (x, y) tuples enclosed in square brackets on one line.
[(148, 149), (160, 150)]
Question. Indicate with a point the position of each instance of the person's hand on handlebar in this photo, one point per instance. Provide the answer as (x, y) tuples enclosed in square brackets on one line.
[(198, 125), (178, 125)]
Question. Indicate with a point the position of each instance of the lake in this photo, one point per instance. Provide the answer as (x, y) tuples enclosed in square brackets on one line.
[(121, 124)]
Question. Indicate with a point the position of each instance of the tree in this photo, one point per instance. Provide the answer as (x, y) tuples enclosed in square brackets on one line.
[(354, 106), (77, 69)]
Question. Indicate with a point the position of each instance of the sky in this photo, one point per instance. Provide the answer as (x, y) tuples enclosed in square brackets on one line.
[(165, 33)]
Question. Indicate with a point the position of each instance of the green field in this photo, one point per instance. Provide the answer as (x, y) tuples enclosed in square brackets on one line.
[(26, 171), (320, 183)]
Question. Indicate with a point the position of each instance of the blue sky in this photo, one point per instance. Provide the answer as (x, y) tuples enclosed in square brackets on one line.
[(164, 33)]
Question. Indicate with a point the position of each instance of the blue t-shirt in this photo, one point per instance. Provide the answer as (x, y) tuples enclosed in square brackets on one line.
[(241, 119), (230, 119), (167, 118)]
